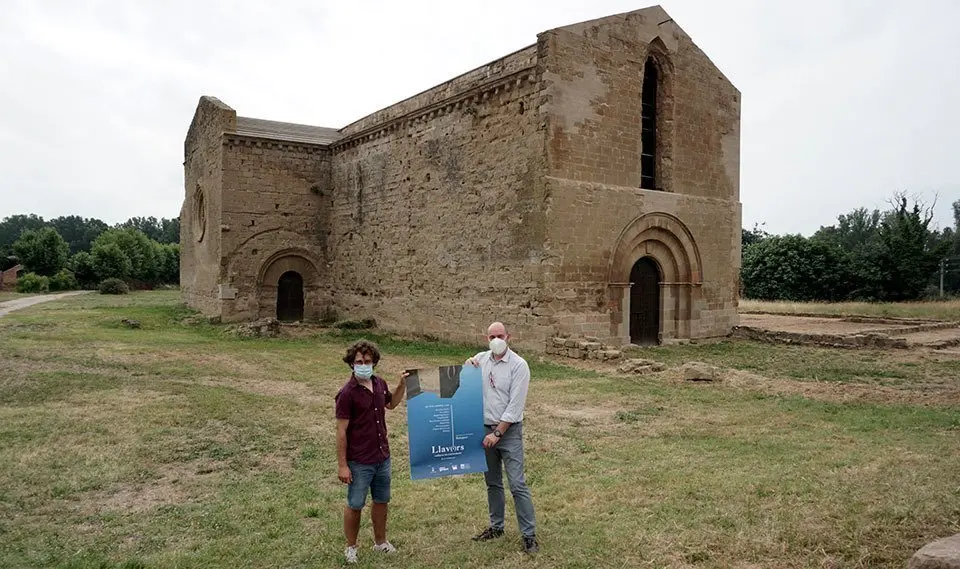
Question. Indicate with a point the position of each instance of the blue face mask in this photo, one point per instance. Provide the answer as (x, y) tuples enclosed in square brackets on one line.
[(363, 371)]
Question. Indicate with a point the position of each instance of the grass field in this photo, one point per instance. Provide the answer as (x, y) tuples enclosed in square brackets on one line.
[(6, 295), (180, 446), (937, 310)]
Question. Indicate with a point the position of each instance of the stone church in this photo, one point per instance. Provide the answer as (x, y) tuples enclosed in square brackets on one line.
[(587, 184)]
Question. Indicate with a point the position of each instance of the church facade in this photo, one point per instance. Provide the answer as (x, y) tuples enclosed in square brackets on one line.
[(585, 185)]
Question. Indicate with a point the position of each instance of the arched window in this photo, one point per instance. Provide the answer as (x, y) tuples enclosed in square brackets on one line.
[(648, 125)]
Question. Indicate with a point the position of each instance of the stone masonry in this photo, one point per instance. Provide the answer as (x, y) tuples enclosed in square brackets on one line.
[(512, 192)]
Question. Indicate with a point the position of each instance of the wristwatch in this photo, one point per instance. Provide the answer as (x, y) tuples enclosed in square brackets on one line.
[(497, 433)]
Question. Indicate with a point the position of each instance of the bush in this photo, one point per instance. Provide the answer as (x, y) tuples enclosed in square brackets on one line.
[(113, 286), (32, 282), (64, 280)]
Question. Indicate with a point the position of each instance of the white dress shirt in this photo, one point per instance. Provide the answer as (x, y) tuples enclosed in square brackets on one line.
[(505, 385)]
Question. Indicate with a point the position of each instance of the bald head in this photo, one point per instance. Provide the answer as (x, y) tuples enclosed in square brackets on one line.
[(498, 336), (497, 330)]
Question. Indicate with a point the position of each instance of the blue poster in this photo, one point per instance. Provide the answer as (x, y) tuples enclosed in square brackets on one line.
[(445, 421)]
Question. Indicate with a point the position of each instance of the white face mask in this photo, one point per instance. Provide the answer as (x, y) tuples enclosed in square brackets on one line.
[(363, 371), (498, 346)]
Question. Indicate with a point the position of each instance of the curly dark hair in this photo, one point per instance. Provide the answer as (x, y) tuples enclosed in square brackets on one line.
[(365, 347)]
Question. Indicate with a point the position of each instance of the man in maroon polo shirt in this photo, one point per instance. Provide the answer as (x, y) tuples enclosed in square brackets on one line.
[(363, 452)]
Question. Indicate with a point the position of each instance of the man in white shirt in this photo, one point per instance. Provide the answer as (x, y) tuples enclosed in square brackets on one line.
[(506, 379)]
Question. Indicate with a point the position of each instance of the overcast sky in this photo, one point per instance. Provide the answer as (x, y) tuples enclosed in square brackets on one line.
[(844, 101)]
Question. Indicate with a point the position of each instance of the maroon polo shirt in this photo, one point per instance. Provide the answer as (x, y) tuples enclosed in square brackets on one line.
[(367, 430)]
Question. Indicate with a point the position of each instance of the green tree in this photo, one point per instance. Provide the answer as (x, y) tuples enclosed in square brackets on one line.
[(791, 267), (170, 230), (853, 230), (137, 247), (11, 227), (956, 227), (149, 226), (161, 230), (42, 251), (856, 239), (84, 268), (953, 263), (78, 232), (862, 275), (911, 257), (110, 261), (168, 263), (750, 236), (950, 237)]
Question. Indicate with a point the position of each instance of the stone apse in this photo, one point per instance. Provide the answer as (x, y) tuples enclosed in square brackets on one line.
[(586, 185)]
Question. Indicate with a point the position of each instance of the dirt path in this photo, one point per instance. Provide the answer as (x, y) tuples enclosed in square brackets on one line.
[(18, 303)]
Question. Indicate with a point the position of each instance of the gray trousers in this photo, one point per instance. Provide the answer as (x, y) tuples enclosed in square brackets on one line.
[(508, 454)]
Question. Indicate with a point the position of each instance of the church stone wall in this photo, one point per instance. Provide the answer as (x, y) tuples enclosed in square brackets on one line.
[(592, 83), (439, 222), (276, 199), (200, 215)]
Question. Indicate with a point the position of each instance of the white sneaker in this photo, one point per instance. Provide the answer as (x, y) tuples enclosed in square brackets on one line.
[(351, 554), (385, 547)]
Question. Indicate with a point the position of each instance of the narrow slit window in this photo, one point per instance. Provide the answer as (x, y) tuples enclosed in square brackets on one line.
[(648, 126)]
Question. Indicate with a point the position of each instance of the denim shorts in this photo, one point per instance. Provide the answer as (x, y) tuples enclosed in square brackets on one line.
[(374, 478)]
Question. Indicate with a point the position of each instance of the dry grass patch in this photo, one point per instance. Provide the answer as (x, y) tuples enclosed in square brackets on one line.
[(941, 393), (933, 309), (6, 295)]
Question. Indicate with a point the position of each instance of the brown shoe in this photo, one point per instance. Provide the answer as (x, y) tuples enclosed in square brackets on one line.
[(488, 534)]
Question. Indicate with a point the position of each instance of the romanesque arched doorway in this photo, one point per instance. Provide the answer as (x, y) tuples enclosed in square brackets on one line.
[(290, 297), (645, 302), (289, 286), (654, 255)]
